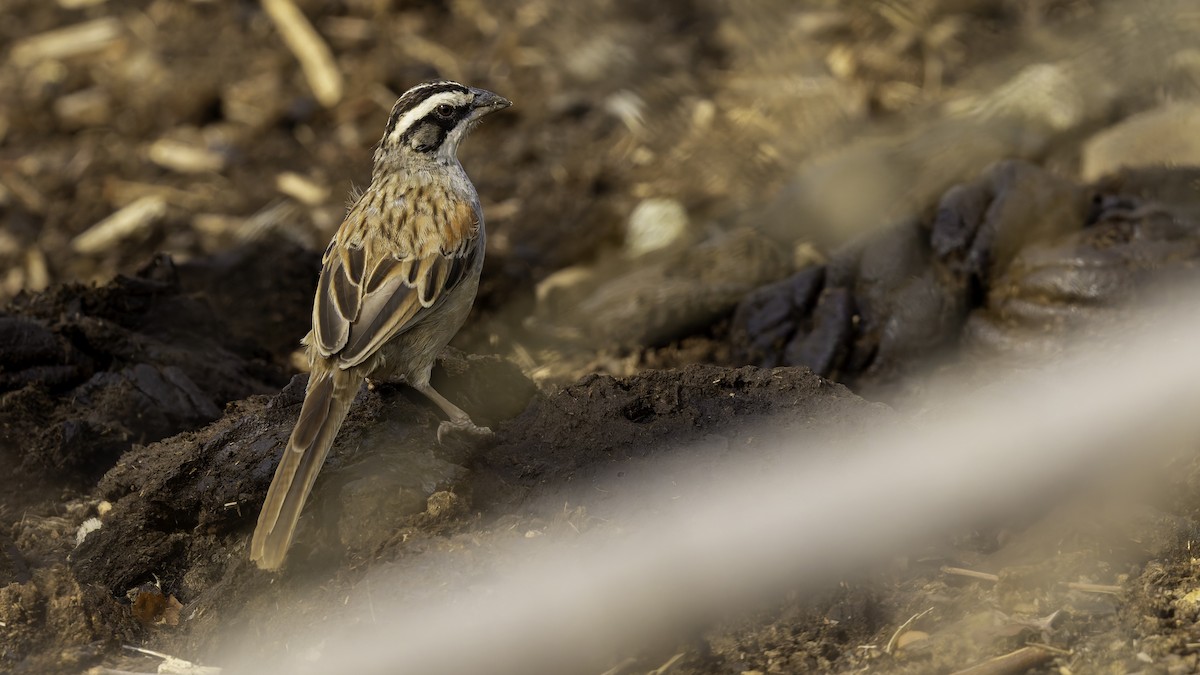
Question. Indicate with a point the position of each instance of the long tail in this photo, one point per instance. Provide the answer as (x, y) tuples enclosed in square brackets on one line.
[(326, 403)]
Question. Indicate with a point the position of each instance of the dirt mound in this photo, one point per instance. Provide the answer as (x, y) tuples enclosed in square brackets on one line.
[(183, 508), (92, 371)]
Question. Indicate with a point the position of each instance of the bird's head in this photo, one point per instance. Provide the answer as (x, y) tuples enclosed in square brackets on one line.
[(431, 119)]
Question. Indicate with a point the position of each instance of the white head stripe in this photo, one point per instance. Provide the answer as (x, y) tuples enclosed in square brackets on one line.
[(412, 116)]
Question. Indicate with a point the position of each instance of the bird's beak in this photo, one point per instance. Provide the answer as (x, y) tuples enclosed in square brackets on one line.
[(486, 102)]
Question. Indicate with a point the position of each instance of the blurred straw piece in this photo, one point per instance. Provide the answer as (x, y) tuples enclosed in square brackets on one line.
[(281, 217), (91, 107), (61, 43), (215, 227), (316, 60), (79, 4), (301, 188), (25, 192), (13, 282), (37, 274), (130, 220), (198, 195), (477, 12), (256, 101), (277, 217), (184, 157), (9, 244)]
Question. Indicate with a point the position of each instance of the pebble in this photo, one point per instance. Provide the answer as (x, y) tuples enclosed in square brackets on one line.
[(655, 224)]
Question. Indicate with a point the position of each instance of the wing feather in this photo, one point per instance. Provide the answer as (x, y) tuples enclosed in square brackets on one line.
[(330, 327), (381, 273), (347, 295), (354, 259), (435, 279), (385, 314)]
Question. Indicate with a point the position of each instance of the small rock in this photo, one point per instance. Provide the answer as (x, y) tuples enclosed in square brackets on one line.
[(655, 224), (1192, 598), (910, 638), (444, 504)]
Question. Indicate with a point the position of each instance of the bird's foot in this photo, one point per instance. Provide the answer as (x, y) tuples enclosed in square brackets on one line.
[(463, 429), (377, 383)]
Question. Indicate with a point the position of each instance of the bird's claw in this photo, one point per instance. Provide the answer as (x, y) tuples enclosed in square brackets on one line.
[(465, 428)]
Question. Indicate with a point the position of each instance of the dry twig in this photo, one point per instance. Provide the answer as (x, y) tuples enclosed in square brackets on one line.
[(130, 220), (1094, 588), (963, 572), (891, 644), (82, 38), (666, 667), (1011, 663), (316, 59)]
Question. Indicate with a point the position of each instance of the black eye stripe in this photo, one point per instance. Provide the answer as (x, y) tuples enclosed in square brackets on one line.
[(433, 131), (445, 123), (416, 96)]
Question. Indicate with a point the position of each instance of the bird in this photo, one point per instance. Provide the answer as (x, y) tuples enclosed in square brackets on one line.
[(397, 282)]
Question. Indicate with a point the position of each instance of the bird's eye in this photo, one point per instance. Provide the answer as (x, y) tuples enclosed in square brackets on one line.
[(444, 111)]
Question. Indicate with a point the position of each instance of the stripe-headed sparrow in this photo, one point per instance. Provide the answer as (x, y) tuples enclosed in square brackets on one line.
[(397, 283)]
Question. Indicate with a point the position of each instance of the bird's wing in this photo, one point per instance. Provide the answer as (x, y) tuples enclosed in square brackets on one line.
[(370, 292)]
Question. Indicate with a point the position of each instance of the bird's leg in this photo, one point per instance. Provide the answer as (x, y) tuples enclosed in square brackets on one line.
[(459, 421)]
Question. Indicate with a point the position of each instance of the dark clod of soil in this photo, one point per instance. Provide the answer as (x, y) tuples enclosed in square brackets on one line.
[(1014, 262), (87, 373)]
